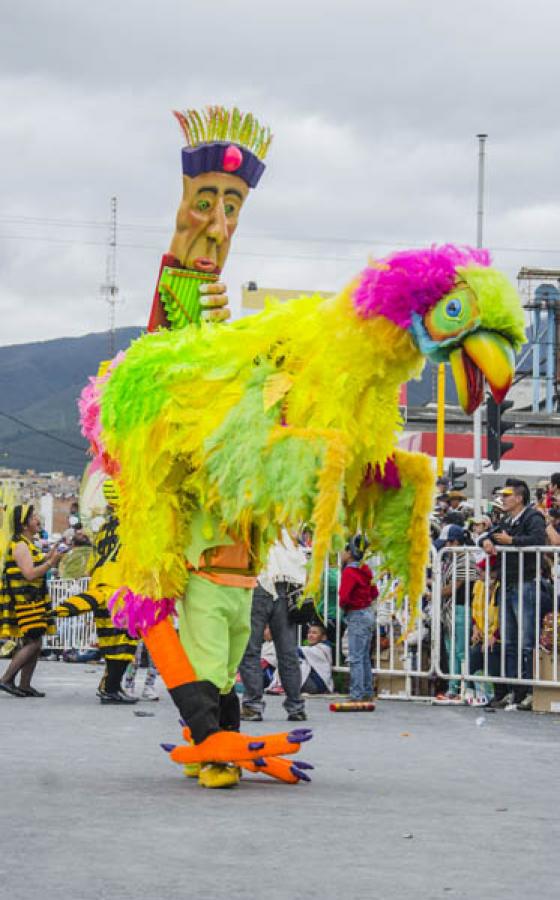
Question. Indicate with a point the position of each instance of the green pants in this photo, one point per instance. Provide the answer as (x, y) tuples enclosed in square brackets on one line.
[(214, 628)]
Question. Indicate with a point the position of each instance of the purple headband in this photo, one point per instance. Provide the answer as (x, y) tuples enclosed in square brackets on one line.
[(222, 156)]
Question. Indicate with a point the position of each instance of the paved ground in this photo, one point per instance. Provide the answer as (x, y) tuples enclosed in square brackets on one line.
[(407, 802)]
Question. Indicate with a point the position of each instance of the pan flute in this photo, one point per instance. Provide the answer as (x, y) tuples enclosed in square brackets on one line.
[(179, 292)]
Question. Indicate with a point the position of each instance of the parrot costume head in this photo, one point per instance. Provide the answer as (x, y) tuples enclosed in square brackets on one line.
[(457, 308)]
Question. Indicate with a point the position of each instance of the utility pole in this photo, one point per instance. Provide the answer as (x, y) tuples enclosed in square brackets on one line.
[(110, 288), (477, 416)]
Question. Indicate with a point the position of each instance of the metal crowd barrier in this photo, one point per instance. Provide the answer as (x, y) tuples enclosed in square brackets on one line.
[(401, 656), (71, 634), (525, 611), (406, 662)]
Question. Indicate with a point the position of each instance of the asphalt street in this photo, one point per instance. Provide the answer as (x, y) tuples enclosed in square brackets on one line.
[(410, 801)]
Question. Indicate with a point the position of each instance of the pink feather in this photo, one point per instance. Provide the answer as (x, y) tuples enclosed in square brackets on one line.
[(136, 613), (412, 281), (89, 405)]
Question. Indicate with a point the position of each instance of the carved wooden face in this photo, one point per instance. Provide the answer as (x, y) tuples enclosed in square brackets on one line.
[(207, 219)]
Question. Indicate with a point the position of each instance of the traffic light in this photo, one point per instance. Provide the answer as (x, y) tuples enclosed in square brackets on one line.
[(495, 427), (455, 474)]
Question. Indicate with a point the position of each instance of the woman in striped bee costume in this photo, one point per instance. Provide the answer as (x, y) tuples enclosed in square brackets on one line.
[(25, 610), (117, 646)]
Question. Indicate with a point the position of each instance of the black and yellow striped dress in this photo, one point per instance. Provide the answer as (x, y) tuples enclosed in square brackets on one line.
[(25, 607), (113, 643)]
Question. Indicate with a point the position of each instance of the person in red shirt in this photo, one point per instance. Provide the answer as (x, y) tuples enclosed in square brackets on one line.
[(356, 595)]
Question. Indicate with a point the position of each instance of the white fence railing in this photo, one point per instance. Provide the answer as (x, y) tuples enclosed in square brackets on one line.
[(497, 624), (401, 656), (517, 600), (481, 625)]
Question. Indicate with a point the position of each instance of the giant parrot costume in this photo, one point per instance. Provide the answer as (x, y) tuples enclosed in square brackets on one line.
[(218, 435)]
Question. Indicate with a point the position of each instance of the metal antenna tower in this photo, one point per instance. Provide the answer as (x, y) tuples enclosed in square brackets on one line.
[(110, 288)]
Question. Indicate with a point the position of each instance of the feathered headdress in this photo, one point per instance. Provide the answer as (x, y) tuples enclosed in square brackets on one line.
[(222, 140)]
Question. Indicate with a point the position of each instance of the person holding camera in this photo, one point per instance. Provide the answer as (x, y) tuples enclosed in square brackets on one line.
[(523, 526), (25, 601)]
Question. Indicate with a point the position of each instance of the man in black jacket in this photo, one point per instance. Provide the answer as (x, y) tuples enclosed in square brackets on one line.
[(523, 526)]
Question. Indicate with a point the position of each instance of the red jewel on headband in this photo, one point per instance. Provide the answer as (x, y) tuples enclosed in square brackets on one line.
[(233, 159)]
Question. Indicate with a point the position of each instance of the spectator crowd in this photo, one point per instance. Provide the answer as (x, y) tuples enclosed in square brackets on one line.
[(495, 608)]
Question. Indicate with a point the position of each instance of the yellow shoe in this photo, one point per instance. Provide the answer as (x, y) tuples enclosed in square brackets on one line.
[(191, 770), (219, 775)]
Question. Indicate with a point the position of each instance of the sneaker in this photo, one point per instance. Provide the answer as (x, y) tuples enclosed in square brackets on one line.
[(300, 716), (275, 690), (494, 703), (117, 697), (251, 715), (504, 702), (149, 694), (478, 701), (447, 699), (526, 705)]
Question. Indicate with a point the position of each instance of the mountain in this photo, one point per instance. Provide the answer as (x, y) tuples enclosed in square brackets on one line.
[(39, 387), (41, 382)]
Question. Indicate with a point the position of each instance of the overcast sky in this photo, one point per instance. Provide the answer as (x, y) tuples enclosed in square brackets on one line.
[(374, 106)]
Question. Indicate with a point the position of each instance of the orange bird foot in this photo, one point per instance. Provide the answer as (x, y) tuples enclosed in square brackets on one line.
[(232, 747), (287, 770)]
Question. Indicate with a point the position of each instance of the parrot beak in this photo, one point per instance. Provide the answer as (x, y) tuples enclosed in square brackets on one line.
[(482, 355)]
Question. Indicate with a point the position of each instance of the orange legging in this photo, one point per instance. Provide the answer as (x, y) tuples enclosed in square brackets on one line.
[(168, 654)]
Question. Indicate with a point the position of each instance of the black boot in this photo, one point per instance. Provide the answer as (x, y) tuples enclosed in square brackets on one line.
[(230, 711), (199, 705)]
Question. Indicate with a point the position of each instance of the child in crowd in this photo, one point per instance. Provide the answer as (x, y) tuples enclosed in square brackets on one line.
[(356, 595), (269, 664), (316, 662)]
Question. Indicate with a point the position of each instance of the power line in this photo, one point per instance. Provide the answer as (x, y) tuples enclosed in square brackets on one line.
[(263, 255), (272, 236), (40, 431), (234, 252)]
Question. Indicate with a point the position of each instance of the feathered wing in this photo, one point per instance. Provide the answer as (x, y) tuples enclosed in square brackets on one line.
[(396, 519), (187, 416), (267, 422)]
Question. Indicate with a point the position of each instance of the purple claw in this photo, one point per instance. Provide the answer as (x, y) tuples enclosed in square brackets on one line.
[(256, 745), (168, 747), (299, 774), (300, 736), (260, 761), (302, 765)]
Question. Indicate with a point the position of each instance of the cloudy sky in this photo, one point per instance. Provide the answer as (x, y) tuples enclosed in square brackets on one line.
[(374, 105)]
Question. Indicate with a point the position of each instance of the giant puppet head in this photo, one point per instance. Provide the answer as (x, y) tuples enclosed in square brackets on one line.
[(457, 308), (221, 161)]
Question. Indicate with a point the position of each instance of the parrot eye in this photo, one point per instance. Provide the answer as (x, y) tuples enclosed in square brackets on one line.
[(453, 308), (453, 315)]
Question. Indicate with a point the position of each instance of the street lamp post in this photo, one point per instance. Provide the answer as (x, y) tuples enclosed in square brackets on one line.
[(477, 417)]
